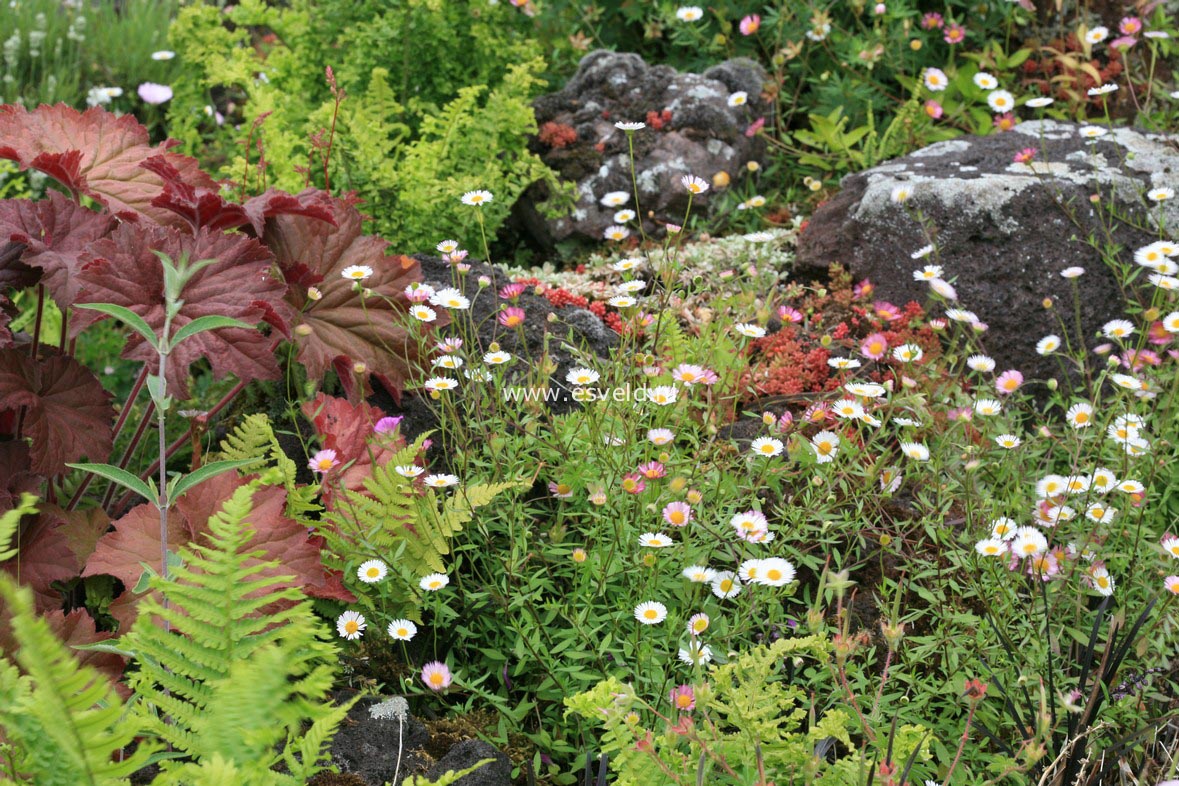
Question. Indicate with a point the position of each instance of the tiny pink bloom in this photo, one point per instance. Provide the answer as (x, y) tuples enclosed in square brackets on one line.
[(789, 314), (1130, 25), (785, 422), (683, 698), (151, 93), (436, 675), (1157, 334), (450, 345), (755, 127), (323, 461), (1123, 42), (863, 289), (416, 294), (691, 374), (933, 109), (652, 470), (886, 311), (677, 514), (511, 316), (874, 347), (633, 483), (931, 21), (1005, 121), (673, 228), (1008, 382), (955, 33), (1025, 156), (752, 22), (560, 490), (1137, 359), (454, 257), (387, 424), (961, 413), (512, 291)]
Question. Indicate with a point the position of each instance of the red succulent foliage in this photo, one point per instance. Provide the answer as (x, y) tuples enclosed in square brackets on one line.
[(657, 120), (557, 135), (788, 363)]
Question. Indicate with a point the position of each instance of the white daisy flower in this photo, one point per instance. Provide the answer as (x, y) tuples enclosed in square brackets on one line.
[(1008, 441), (738, 99), (582, 376), (695, 185), (983, 363), (826, 446), (1040, 102), (433, 582), (726, 585), (372, 571), (1080, 415), (689, 13), (476, 198), (655, 540), (440, 481), (985, 81), (1047, 345), (350, 625), (766, 446), (749, 331), (1000, 101), (402, 630), (915, 451), (1117, 328), (409, 470), (651, 612), (356, 272), (615, 198), (698, 574)]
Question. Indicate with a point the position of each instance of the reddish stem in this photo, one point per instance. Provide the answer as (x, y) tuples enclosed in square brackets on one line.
[(962, 742), (122, 421)]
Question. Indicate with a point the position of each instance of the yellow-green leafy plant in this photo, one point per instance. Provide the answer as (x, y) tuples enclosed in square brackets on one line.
[(242, 675), (392, 521), (65, 723), (745, 722)]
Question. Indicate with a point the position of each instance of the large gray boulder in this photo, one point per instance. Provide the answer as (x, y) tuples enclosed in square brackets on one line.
[(1004, 230), (692, 130)]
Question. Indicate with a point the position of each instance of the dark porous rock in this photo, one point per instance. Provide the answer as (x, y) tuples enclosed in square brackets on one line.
[(1004, 231), (367, 746), (546, 329), (691, 130), (468, 753)]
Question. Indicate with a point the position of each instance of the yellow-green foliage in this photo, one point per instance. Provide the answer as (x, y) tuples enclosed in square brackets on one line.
[(743, 708), (447, 779), (64, 722), (431, 88), (9, 523), (254, 440), (393, 522), (232, 667)]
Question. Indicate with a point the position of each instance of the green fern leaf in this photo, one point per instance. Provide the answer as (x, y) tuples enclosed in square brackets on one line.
[(10, 522), (66, 719), (223, 616)]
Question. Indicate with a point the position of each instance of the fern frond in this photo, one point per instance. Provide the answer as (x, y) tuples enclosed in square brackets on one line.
[(10, 522), (222, 612), (65, 718), (447, 779), (430, 539)]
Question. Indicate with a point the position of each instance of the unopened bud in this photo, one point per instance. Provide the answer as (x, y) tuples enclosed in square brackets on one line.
[(313, 293), (303, 330), (893, 632)]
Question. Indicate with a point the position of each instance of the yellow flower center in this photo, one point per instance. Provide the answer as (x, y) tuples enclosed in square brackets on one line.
[(773, 574), (650, 614), (436, 679), (676, 517), (351, 626), (372, 573)]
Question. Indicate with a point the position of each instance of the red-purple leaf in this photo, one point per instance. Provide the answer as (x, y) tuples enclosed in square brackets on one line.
[(44, 557), (67, 412), (15, 477), (95, 153), (310, 203), (14, 273), (238, 285), (198, 206), (348, 430), (57, 234), (136, 538), (339, 330)]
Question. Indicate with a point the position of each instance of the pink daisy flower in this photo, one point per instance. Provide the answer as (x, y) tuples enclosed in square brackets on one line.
[(789, 314), (886, 311), (933, 109), (932, 21), (652, 470), (955, 33), (323, 461), (750, 24), (633, 483), (437, 676), (683, 698), (1130, 25), (677, 514), (874, 347), (512, 291), (691, 374), (511, 316), (1025, 156), (1005, 121), (1008, 382)]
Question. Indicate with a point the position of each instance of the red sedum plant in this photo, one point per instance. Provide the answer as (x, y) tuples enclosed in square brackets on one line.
[(129, 214)]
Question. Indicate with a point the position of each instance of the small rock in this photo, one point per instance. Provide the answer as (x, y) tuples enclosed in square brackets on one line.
[(469, 753), (691, 130)]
